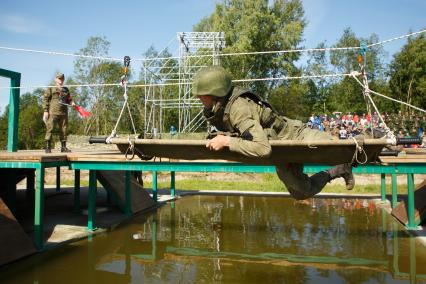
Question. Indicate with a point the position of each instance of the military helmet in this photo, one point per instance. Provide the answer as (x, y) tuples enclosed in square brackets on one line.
[(212, 80), (60, 76)]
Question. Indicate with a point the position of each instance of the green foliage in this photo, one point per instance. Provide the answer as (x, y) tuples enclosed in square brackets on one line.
[(346, 94), (408, 73), (258, 25), (31, 129), (104, 102)]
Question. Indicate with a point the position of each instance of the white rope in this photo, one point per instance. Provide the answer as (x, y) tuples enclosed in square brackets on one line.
[(187, 83), (223, 54), (358, 150), (396, 38), (293, 77), (388, 98), (60, 53)]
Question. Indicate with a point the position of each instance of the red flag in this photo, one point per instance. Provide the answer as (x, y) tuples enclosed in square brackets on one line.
[(82, 111)]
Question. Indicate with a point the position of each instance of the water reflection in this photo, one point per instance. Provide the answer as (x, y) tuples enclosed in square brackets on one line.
[(241, 240)]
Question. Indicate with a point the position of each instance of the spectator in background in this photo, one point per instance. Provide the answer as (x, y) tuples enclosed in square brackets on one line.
[(343, 133)]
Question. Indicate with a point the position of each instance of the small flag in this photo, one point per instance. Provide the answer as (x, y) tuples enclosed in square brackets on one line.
[(81, 111)]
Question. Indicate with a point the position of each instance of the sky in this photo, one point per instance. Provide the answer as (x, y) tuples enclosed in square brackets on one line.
[(133, 26)]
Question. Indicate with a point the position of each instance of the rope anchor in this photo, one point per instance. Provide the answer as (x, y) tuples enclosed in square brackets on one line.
[(123, 83)]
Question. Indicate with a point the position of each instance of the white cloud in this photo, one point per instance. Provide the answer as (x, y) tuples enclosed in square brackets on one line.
[(22, 24)]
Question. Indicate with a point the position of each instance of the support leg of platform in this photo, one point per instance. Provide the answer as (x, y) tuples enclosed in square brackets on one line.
[(128, 194), (58, 179), (394, 190), (154, 186), (77, 191), (91, 201), (39, 209), (172, 183), (410, 184), (383, 187), (30, 183)]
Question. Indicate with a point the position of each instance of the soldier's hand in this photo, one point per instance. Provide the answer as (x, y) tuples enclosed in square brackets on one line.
[(218, 143), (45, 116)]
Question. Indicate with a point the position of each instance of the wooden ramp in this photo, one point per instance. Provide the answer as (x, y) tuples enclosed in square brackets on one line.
[(14, 242), (327, 152), (114, 182), (400, 211)]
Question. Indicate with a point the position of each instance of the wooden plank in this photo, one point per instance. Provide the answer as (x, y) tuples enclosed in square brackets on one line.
[(325, 152), (32, 156), (115, 181), (14, 242), (400, 212)]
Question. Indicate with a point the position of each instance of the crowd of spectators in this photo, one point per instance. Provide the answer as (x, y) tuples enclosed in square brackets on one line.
[(351, 124)]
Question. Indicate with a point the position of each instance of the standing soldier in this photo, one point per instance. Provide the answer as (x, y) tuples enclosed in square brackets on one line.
[(55, 105)]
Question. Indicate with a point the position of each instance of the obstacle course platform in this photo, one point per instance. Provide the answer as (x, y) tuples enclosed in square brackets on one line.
[(326, 152)]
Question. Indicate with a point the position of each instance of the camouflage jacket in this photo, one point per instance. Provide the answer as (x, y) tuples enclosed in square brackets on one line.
[(55, 100)]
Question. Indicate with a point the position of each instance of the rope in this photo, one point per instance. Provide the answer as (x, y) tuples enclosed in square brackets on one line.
[(366, 93), (60, 53), (359, 149), (354, 74), (185, 83), (209, 55), (131, 148)]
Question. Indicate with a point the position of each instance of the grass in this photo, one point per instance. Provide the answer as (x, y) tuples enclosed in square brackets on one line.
[(267, 183)]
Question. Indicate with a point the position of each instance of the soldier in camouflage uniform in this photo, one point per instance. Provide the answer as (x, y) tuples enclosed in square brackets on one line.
[(241, 112), (55, 105)]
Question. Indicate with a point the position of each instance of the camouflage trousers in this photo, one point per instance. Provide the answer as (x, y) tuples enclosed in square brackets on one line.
[(300, 185), (57, 120)]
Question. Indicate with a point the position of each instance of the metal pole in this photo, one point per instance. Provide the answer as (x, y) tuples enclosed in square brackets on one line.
[(154, 185), (58, 179), (172, 183), (383, 187), (91, 201), (76, 191), (394, 190), (13, 126), (410, 184), (39, 209)]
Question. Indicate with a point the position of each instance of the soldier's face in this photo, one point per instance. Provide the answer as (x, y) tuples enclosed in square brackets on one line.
[(59, 82), (207, 101)]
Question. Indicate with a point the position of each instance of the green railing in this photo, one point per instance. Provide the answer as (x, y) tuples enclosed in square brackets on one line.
[(15, 81)]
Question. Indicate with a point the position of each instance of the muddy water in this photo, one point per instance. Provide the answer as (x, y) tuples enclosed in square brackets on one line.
[(231, 239)]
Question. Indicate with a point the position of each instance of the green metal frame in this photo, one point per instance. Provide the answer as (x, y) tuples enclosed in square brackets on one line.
[(15, 81), (397, 168), (173, 167)]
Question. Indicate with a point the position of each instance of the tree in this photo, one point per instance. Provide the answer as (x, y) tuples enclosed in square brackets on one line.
[(407, 73), (318, 89), (258, 25), (31, 127), (346, 95), (103, 101)]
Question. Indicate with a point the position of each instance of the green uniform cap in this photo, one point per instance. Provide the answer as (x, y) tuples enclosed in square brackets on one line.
[(212, 80), (60, 76)]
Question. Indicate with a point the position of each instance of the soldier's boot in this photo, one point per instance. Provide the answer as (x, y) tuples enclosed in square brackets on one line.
[(64, 148), (344, 171), (48, 147)]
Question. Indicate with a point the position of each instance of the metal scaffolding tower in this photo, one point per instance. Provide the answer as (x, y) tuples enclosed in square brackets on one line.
[(167, 76)]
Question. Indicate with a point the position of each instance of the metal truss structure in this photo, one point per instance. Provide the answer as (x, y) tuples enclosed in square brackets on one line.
[(169, 79)]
